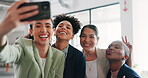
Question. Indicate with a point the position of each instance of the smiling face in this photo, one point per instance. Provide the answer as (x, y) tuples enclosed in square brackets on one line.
[(42, 31), (116, 51), (88, 39), (64, 31)]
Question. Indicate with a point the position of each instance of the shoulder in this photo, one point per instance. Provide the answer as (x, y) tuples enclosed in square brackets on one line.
[(129, 71), (56, 52), (24, 41), (75, 50), (101, 53)]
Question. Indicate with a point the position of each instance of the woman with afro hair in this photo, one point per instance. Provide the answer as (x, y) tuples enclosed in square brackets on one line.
[(65, 29)]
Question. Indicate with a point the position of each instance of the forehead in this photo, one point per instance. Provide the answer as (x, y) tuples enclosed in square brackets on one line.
[(46, 21), (117, 43), (88, 31), (65, 22)]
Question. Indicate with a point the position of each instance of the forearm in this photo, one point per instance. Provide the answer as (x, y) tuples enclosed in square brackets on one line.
[(2, 40), (2, 35), (129, 61)]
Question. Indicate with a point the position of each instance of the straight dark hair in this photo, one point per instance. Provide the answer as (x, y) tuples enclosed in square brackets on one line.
[(93, 27)]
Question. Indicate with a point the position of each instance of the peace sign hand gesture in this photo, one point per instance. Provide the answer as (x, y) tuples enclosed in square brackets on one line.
[(128, 44)]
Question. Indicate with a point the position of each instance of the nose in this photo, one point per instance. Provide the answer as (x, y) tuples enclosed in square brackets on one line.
[(87, 38), (64, 28), (110, 48), (43, 29)]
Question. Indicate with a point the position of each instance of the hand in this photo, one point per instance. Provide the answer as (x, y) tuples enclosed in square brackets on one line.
[(128, 44), (14, 15), (123, 77)]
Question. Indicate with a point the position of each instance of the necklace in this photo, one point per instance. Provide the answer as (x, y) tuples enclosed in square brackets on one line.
[(91, 65)]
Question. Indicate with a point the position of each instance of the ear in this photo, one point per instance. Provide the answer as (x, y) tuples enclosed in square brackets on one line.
[(126, 57), (54, 30), (72, 36), (98, 39), (30, 31)]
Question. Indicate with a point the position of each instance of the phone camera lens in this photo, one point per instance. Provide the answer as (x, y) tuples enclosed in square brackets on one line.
[(45, 7)]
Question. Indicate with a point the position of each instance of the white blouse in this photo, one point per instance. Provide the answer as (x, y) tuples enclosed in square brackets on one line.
[(91, 69), (43, 60)]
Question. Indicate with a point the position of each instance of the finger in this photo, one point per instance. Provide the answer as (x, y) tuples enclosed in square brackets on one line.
[(17, 4), (28, 22), (27, 15), (27, 8), (125, 39)]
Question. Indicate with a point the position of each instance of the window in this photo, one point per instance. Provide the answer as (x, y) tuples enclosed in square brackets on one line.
[(106, 18)]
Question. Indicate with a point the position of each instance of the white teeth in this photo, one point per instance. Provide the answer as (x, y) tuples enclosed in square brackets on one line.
[(86, 44), (44, 36), (63, 33)]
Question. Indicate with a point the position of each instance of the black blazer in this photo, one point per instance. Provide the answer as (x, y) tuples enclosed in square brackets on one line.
[(125, 71), (75, 64)]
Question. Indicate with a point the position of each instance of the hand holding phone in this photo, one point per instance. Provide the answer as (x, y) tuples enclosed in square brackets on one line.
[(44, 10)]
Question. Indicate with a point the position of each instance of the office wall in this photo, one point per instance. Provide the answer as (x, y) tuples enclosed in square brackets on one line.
[(76, 5), (140, 38), (126, 19)]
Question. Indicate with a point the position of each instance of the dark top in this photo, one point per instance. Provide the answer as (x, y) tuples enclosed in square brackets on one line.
[(75, 64), (125, 71)]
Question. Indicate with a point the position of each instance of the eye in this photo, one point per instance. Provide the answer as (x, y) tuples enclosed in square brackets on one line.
[(117, 47), (68, 28), (92, 36), (37, 26), (60, 26), (48, 26), (82, 36)]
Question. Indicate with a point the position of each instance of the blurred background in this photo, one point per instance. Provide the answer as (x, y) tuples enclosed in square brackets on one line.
[(114, 19)]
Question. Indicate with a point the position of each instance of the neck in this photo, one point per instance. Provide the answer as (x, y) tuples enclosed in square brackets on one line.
[(61, 45), (43, 50), (90, 55), (115, 66)]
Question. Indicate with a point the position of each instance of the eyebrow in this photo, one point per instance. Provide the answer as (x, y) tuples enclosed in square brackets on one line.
[(66, 24), (118, 45), (47, 23), (41, 23), (37, 23)]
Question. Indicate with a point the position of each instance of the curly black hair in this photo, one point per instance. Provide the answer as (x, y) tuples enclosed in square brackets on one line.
[(74, 22)]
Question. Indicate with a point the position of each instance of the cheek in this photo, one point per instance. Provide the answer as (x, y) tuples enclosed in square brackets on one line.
[(58, 28), (81, 40), (94, 41), (70, 31), (50, 31)]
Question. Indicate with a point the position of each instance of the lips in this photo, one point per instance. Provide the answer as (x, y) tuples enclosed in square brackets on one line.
[(86, 45), (43, 36), (108, 52), (63, 33)]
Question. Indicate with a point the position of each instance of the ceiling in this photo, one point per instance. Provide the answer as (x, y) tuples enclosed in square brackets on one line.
[(5, 3)]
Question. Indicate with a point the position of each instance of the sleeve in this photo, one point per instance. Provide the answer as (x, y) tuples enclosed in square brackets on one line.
[(60, 69), (10, 54), (81, 67)]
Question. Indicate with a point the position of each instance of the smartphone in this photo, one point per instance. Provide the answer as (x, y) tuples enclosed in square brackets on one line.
[(44, 10)]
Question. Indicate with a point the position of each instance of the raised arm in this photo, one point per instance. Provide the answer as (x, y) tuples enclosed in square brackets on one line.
[(129, 60), (13, 17)]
